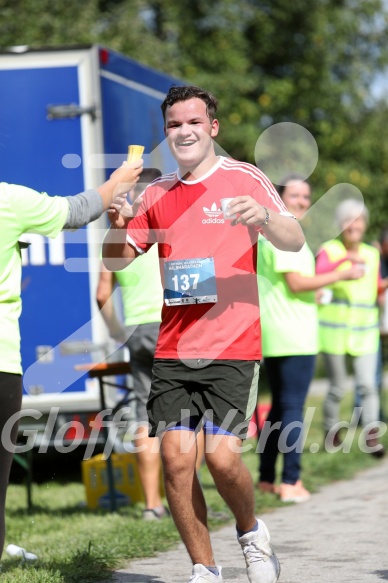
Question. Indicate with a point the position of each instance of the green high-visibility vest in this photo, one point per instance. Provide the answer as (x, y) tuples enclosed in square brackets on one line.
[(350, 323)]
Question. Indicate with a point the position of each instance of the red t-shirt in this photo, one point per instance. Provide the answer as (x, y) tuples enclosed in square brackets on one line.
[(186, 221)]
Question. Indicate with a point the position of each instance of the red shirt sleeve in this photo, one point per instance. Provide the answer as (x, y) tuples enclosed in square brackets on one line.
[(139, 233)]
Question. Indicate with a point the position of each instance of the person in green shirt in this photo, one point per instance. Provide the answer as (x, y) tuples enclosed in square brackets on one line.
[(23, 210), (289, 322)]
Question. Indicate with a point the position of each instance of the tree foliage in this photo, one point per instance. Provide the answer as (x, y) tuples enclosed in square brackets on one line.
[(268, 61)]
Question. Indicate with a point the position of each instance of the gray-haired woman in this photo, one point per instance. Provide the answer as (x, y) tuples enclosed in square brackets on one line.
[(349, 324)]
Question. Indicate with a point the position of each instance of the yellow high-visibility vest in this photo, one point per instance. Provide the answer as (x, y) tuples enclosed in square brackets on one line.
[(350, 323)]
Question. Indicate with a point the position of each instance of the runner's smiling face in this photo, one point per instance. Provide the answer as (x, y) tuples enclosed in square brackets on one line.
[(189, 133)]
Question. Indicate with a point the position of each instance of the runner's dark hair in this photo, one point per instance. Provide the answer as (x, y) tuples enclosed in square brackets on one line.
[(178, 93)]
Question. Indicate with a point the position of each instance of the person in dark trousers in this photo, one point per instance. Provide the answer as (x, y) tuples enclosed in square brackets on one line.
[(289, 305)]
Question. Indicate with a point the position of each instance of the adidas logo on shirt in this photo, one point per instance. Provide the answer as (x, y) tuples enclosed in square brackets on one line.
[(213, 213)]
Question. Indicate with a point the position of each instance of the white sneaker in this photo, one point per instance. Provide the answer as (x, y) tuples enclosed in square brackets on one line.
[(202, 575), (262, 563), (156, 513)]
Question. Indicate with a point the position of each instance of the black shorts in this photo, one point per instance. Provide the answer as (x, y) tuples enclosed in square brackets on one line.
[(223, 391)]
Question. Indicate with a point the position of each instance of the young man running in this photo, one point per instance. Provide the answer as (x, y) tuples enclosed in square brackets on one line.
[(207, 357)]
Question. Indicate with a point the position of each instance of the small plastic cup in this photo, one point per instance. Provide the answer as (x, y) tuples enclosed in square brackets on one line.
[(134, 153), (326, 296), (362, 266), (225, 210), (15, 551)]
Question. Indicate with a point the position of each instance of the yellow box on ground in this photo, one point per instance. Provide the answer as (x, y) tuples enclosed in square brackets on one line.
[(128, 490)]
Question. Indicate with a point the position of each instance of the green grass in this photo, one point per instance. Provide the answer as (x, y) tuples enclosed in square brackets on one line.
[(74, 543), (77, 545)]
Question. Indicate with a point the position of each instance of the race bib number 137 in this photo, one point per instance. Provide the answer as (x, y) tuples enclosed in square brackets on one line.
[(190, 281)]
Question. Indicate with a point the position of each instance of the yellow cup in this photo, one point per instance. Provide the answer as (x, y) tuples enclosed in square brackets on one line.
[(134, 153)]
